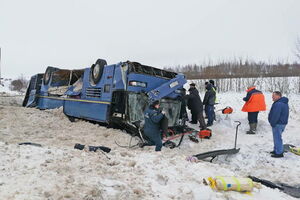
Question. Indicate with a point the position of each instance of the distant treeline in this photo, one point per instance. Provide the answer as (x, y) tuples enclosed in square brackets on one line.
[(287, 85), (238, 69)]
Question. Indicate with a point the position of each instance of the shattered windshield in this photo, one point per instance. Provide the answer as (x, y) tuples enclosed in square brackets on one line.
[(172, 109), (138, 102)]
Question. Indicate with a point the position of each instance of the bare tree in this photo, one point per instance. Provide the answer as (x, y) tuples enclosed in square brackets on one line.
[(19, 84)]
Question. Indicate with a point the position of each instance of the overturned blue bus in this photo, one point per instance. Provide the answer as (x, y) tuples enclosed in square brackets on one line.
[(33, 90), (116, 95), (47, 91)]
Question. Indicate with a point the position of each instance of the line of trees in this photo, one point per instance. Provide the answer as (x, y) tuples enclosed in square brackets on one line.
[(238, 69), (239, 74), (287, 85)]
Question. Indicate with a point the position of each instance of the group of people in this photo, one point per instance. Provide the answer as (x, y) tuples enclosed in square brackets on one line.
[(153, 114), (254, 103), (195, 104)]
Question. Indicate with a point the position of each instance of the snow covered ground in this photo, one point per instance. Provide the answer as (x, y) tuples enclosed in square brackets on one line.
[(58, 171)]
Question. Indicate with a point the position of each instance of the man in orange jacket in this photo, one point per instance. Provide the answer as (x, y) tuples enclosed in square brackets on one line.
[(254, 102)]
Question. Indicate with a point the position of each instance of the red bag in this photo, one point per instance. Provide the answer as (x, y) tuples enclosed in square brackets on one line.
[(205, 134), (227, 110)]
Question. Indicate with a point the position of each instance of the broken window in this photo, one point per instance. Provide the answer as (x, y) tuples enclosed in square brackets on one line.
[(62, 79), (136, 67), (138, 103)]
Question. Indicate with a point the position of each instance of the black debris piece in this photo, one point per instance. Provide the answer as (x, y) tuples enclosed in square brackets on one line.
[(92, 148), (30, 143), (290, 190)]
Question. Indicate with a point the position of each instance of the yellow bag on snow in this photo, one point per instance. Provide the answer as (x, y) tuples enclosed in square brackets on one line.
[(295, 150), (230, 183)]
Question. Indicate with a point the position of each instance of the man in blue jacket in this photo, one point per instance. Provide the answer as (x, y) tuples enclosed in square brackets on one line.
[(278, 119), (153, 116)]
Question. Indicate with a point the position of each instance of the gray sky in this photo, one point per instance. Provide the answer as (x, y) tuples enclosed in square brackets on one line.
[(74, 33)]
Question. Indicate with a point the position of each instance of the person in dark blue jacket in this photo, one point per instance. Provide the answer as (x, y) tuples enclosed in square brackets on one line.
[(209, 102), (278, 119), (153, 116)]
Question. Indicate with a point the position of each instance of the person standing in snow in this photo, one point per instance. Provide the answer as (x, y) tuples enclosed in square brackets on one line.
[(196, 106), (183, 114), (278, 119), (254, 102), (153, 117), (209, 102), (215, 89), (204, 106)]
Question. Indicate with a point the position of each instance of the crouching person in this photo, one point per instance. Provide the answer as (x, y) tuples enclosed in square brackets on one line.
[(153, 116)]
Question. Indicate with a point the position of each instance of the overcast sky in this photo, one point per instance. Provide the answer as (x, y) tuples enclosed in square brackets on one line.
[(72, 34)]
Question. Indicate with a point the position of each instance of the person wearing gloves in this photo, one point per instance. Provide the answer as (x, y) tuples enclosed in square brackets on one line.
[(278, 119), (153, 117)]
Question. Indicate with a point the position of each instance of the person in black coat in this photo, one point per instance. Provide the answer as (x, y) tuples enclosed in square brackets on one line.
[(196, 106), (183, 114), (209, 102)]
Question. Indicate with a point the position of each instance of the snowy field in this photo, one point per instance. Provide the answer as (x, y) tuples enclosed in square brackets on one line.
[(58, 171)]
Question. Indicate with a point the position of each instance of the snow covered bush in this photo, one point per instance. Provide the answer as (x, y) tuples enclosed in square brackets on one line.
[(20, 84)]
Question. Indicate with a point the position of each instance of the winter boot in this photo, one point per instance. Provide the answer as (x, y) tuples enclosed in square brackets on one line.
[(277, 155), (252, 128)]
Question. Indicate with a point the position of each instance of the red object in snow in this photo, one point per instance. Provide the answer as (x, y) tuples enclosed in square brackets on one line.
[(205, 134)]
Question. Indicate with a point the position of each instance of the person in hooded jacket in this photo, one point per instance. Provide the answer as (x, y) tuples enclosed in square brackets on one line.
[(209, 102), (278, 119), (152, 129), (195, 104), (254, 102)]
